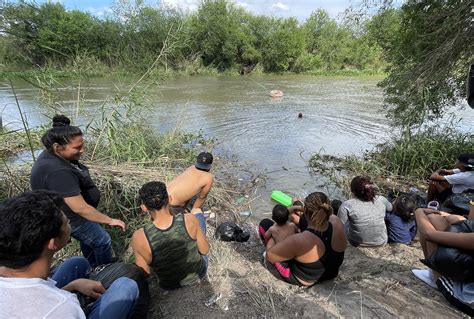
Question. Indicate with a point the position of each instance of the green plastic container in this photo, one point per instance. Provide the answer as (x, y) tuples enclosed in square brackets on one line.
[(282, 198)]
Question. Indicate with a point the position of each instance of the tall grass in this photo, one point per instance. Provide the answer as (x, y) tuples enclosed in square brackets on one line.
[(123, 152), (403, 161)]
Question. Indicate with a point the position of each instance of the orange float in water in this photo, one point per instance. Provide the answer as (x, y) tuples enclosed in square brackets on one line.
[(276, 93)]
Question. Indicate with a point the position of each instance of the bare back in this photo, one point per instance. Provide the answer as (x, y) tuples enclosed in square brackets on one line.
[(280, 232), (188, 184)]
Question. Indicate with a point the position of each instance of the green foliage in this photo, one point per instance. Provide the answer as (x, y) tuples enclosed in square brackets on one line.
[(428, 57), (219, 37), (313, 29), (283, 46), (47, 32), (411, 156), (338, 47)]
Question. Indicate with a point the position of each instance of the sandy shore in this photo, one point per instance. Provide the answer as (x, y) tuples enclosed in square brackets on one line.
[(373, 282)]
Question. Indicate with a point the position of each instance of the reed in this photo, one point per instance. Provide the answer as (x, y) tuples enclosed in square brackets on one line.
[(407, 160)]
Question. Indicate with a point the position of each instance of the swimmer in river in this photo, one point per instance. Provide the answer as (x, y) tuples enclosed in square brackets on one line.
[(300, 115)]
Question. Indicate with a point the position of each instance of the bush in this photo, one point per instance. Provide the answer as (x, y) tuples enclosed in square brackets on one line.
[(407, 159)]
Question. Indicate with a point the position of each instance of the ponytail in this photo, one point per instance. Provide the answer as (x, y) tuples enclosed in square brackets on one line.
[(318, 208), (363, 188)]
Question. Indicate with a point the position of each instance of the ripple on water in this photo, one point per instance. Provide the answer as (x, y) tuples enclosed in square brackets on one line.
[(340, 116)]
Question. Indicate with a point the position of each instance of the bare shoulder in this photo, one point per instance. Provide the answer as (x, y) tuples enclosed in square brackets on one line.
[(190, 218), (209, 177), (139, 238), (301, 240), (191, 223)]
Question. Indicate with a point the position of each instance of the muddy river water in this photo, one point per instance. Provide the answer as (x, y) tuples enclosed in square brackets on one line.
[(341, 115)]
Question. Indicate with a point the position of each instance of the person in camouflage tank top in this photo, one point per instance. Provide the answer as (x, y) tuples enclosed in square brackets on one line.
[(173, 245)]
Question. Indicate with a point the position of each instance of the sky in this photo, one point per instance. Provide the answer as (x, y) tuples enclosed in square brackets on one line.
[(301, 9)]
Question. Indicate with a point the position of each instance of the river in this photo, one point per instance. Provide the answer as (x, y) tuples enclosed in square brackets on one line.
[(341, 115)]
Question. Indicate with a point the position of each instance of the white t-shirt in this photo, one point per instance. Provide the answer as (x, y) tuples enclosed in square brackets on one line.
[(461, 181), (36, 298)]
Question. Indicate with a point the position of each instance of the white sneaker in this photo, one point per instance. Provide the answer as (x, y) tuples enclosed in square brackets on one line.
[(425, 275)]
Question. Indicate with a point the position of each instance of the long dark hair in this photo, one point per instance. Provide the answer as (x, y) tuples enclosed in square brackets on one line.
[(363, 188), (61, 132)]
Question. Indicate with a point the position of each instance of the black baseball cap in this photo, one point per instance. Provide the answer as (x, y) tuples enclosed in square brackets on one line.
[(467, 159), (204, 161)]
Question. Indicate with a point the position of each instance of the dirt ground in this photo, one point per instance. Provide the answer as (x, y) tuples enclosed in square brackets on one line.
[(373, 282)]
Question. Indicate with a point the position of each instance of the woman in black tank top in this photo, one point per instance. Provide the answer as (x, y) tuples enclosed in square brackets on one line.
[(315, 254)]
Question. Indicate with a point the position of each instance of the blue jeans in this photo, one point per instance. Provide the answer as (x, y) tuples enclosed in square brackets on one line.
[(96, 244), (117, 302), (202, 223)]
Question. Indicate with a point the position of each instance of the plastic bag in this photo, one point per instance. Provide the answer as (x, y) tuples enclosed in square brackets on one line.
[(229, 231), (453, 262), (459, 203)]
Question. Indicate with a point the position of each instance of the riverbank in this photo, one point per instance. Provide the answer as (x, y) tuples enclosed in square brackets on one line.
[(401, 163), (123, 155), (373, 282), (104, 72)]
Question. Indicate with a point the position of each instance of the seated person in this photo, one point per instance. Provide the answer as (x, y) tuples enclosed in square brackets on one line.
[(282, 227), (33, 228), (297, 210), (313, 255), (401, 225), (364, 215), (433, 227), (445, 182), (173, 246), (194, 181)]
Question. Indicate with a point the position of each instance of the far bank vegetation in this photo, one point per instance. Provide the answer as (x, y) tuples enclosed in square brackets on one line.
[(218, 37)]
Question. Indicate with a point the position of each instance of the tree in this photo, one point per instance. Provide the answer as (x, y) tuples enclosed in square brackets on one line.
[(214, 33), (428, 60), (283, 46), (47, 32), (313, 27)]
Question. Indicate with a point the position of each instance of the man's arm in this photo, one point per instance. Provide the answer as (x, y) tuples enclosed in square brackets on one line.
[(78, 205), (436, 176), (201, 196), (87, 287), (141, 250)]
